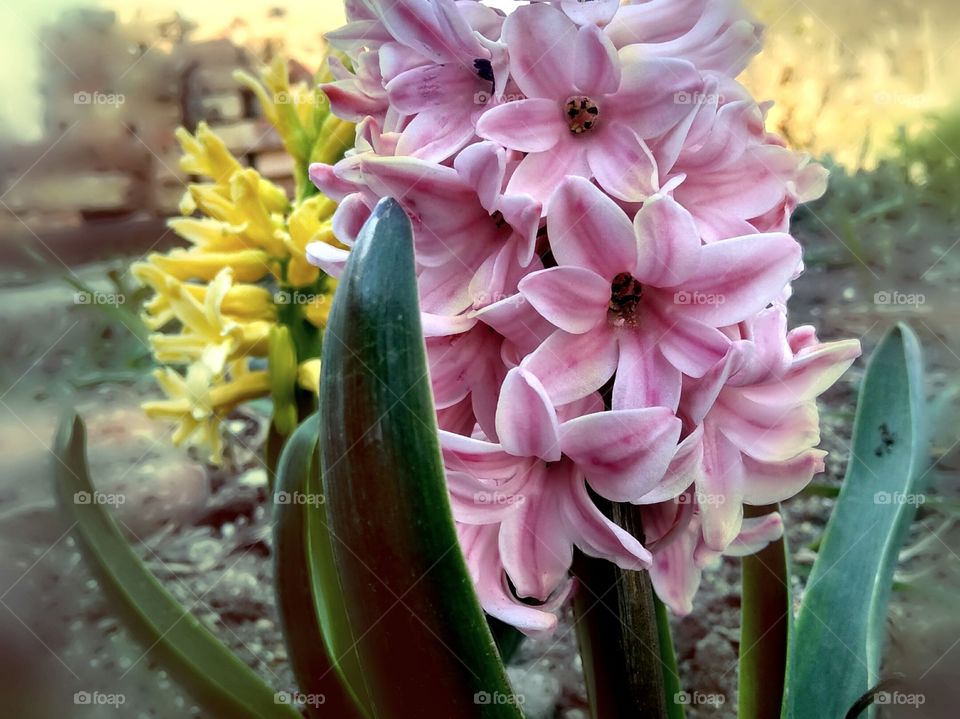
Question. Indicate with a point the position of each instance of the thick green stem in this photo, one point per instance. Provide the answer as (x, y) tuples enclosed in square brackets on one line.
[(618, 634)]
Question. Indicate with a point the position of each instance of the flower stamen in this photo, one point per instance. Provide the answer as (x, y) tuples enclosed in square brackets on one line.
[(582, 114), (625, 294)]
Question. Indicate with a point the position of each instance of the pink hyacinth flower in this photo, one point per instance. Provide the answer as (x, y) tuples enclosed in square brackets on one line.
[(643, 299), (533, 482), (588, 109), (760, 429)]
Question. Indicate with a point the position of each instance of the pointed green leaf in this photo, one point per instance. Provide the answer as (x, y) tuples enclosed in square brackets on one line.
[(215, 677), (308, 646), (834, 653), (423, 642)]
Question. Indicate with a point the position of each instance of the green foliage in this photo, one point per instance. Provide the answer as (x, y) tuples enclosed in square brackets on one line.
[(225, 686), (836, 642), (423, 642)]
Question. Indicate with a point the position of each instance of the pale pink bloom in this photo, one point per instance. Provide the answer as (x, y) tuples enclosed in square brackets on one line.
[(680, 555), (588, 109), (736, 179), (473, 241), (533, 481), (481, 549), (643, 299), (436, 71), (715, 35), (760, 422)]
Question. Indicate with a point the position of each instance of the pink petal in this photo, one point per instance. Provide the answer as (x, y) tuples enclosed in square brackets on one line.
[(690, 346), (668, 243), (720, 490), (767, 432), (594, 534), (595, 62), (644, 376), (624, 453), (330, 259), (739, 277), (442, 325), (477, 457), (539, 173), (674, 574), (482, 166), (420, 26), (772, 482), (756, 533), (588, 229), (526, 421), (684, 469), (594, 12), (436, 133), (622, 163), (477, 502), (812, 373), (534, 125), (572, 298), (430, 86), (540, 38), (536, 548), (482, 553), (647, 99), (572, 366)]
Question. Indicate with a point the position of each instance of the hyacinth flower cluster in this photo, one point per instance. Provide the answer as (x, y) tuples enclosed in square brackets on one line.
[(238, 314), (601, 224)]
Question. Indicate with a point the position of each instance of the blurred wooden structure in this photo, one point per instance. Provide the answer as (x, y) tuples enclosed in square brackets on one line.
[(114, 94)]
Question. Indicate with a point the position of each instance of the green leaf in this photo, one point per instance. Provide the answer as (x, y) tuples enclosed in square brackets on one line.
[(310, 655), (834, 653), (764, 627), (668, 657), (215, 677), (423, 642)]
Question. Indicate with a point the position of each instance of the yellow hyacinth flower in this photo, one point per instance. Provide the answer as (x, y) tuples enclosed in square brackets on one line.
[(247, 265), (243, 288), (197, 403)]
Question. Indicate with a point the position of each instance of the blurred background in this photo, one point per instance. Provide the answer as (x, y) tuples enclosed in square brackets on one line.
[(89, 171)]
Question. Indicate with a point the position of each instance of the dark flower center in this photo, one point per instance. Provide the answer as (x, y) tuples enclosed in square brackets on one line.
[(484, 69), (582, 114), (625, 294)]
